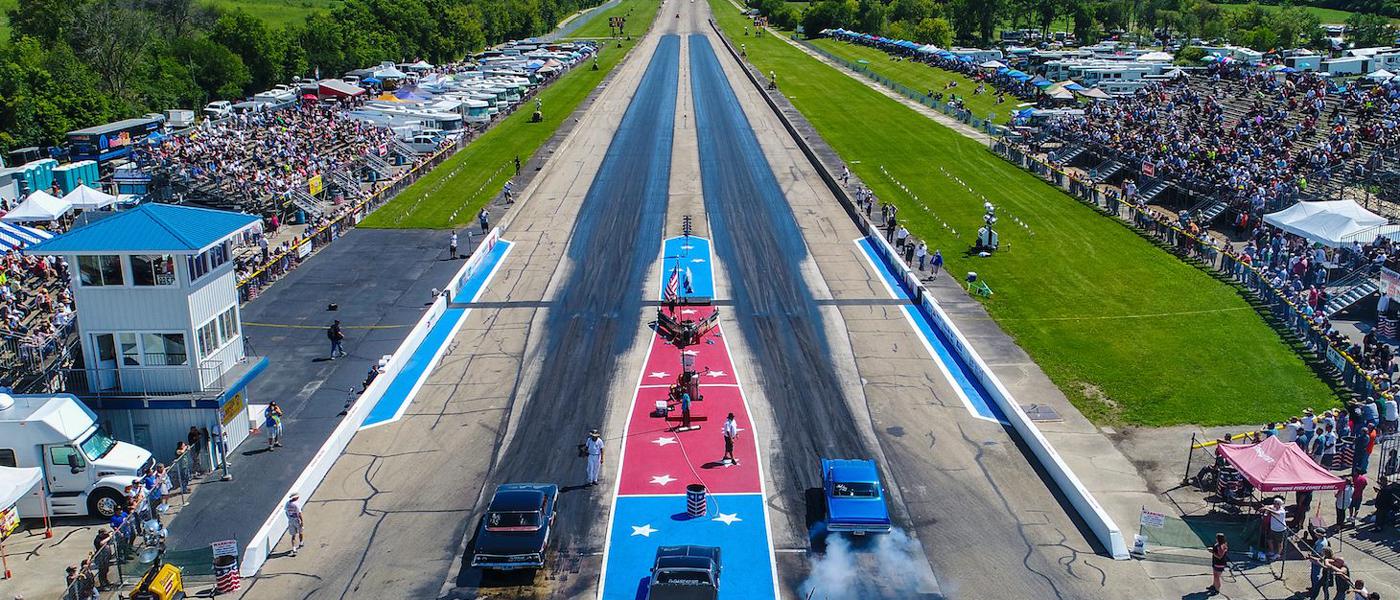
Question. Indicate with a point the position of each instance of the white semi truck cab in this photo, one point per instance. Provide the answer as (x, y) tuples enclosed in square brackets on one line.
[(85, 469)]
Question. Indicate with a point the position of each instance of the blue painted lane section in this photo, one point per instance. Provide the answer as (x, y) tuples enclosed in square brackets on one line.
[(692, 256), (972, 392), (735, 523), (400, 392)]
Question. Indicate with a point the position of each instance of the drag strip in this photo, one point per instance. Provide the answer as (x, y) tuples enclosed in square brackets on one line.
[(761, 246), (597, 305)]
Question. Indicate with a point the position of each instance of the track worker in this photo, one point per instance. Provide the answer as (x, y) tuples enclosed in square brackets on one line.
[(593, 449), (731, 431)]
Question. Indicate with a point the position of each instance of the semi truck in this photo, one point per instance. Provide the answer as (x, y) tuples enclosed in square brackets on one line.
[(85, 469)]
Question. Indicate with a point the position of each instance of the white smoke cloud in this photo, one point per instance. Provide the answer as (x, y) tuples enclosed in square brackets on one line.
[(885, 566)]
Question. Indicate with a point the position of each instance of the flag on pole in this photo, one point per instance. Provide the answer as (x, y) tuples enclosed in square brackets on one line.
[(672, 285)]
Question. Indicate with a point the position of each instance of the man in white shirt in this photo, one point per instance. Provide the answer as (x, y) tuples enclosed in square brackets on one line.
[(593, 446), (1390, 417), (296, 523), (731, 431)]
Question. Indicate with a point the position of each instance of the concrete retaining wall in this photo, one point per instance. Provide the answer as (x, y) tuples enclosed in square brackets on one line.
[(1084, 503), (258, 548)]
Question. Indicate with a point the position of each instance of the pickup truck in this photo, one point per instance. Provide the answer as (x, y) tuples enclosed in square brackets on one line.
[(685, 573), (514, 534), (855, 500)]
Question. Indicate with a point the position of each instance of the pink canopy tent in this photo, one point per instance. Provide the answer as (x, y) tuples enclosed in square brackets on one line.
[(1273, 466)]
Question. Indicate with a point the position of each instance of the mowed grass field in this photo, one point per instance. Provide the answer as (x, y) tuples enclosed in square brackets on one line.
[(922, 77), (276, 13), (1129, 332), (1328, 16), (468, 180)]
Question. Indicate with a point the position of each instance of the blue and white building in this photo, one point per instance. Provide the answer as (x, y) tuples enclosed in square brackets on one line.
[(158, 319)]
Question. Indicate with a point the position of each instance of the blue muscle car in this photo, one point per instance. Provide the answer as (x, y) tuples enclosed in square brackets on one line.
[(855, 500)]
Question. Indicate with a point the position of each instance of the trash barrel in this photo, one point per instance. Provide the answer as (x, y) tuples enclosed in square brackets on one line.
[(695, 500), (226, 579)]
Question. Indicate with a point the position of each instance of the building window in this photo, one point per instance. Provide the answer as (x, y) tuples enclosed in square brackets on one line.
[(152, 269), (218, 331), (100, 270), (7, 458), (164, 349), (209, 260), (131, 355)]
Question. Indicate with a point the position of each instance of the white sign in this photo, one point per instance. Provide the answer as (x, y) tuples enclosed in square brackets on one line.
[(225, 548), (1154, 520)]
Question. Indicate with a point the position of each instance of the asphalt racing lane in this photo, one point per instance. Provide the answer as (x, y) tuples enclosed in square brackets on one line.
[(593, 319), (761, 247)]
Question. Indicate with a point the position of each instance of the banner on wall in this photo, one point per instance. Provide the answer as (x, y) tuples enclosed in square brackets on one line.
[(315, 185), (1390, 283)]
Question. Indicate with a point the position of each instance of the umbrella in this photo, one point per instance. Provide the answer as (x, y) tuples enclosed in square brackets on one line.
[(371, 80), (992, 64), (308, 97)]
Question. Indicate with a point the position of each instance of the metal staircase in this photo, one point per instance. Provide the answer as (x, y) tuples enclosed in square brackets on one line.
[(377, 164), (347, 184), (1211, 211), (1106, 171), (1067, 155), (1349, 290), (1150, 193), (404, 150), (308, 203)]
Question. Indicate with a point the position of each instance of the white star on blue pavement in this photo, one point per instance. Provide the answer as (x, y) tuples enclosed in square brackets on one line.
[(662, 479), (644, 530), (727, 518), (662, 441)]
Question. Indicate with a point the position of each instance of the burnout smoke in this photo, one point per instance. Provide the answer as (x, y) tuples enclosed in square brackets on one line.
[(882, 566)]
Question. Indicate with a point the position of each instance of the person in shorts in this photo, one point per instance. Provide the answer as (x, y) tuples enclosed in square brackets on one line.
[(1219, 551), (296, 523)]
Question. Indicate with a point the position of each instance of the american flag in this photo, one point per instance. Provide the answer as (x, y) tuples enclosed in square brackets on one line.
[(672, 285)]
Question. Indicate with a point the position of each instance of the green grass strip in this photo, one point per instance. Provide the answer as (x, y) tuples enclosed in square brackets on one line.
[(467, 181), (1130, 333)]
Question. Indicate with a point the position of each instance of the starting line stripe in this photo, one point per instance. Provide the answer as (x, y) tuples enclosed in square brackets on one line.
[(400, 393)]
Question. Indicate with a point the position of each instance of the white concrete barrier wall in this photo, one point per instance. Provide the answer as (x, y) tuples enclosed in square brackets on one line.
[(260, 546), (1093, 514)]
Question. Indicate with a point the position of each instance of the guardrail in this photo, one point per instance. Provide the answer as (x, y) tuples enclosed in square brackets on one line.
[(260, 546), (1074, 491)]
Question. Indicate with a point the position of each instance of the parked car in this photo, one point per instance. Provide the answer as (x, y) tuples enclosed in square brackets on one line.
[(855, 500), (685, 573), (218, 109), (514, 533)]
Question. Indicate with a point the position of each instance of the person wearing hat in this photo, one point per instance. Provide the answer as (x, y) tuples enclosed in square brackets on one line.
[(1309, 428), (593, 447), (731, 431), (296, 523)]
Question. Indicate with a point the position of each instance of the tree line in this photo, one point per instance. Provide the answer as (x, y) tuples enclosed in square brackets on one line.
[(71, 64), (977, 22)]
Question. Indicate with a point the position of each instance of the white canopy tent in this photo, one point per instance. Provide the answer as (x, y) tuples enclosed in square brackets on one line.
[(1334, 223), (1380, 75), (992, 64), (1155, 57), (17, 483), (87, 198), (39, 206)]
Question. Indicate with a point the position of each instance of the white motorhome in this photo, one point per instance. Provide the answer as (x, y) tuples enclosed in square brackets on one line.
[(85, 469)]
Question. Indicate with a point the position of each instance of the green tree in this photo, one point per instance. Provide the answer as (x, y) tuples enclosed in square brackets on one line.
[(873, 17), (216, 69), (829, 14), (1368, 30), (46, 20), (938, 32), (246, 36)]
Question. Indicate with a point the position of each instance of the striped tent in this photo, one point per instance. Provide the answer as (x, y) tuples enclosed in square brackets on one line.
[(13, 236)]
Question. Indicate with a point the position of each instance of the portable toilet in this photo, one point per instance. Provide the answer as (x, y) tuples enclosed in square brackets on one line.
[(38, 175), (71, 175)]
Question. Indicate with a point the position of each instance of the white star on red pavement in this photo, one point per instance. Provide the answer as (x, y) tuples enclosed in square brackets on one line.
[(662, 479), (658, 374), (662, 441)]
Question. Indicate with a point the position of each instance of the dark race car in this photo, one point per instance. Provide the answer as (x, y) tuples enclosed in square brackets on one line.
[(685, 573), (515, 531), (855, 501)]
